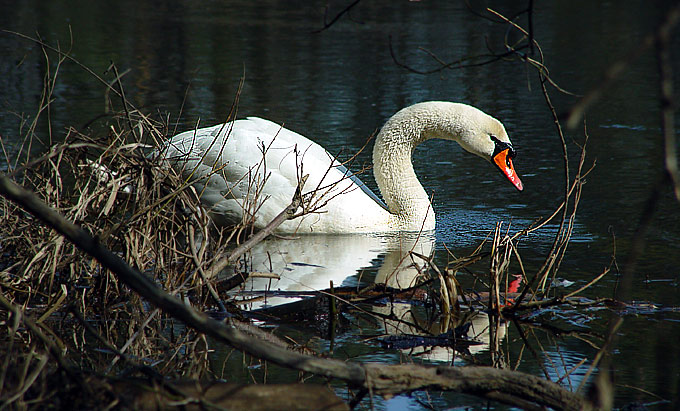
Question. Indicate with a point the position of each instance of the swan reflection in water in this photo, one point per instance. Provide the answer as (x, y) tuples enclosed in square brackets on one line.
[(483, 332), (311, 262)]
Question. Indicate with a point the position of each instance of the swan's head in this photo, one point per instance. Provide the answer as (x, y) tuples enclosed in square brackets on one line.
[(476, 131), (483, 135)]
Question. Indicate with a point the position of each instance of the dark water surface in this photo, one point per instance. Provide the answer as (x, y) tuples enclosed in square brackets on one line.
[(186, 59)]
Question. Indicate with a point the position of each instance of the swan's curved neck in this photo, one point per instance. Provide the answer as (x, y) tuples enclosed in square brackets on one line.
[(404, 195)]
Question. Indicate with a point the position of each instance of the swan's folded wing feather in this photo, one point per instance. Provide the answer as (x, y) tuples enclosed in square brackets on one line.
[(252, 166)]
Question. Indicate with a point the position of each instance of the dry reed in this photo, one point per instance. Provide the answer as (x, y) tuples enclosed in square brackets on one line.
[(109, 185)]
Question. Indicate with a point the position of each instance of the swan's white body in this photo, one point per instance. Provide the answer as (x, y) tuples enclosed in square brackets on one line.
[(248, 170)]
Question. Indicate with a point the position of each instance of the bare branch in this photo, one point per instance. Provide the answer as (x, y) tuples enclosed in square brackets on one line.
[(327, 24), (286, 214)]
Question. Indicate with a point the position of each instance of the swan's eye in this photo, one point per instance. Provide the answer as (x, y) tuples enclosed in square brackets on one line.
[(501, 146)]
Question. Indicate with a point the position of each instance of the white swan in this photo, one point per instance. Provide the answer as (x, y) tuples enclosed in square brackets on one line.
[(248, 170)]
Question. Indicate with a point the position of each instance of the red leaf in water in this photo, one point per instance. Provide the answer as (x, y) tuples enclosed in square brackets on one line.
[(514, 284)]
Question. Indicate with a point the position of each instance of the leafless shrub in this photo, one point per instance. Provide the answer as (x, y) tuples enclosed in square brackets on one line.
[(108, 185)]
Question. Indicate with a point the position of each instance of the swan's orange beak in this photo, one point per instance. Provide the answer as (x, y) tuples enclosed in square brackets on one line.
[(503, 160)]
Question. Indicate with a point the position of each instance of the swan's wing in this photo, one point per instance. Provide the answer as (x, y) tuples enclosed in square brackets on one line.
[(315, 151), (355, 179), (251, 166)]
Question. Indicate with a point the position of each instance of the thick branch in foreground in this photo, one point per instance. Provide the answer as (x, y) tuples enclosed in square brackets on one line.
[(508, 386), (481, 381)]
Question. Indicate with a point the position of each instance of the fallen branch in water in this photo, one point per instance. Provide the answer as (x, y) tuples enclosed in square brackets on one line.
[(511, 387)]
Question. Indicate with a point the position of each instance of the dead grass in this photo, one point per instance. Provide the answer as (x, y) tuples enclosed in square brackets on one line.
[(147, 215)]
